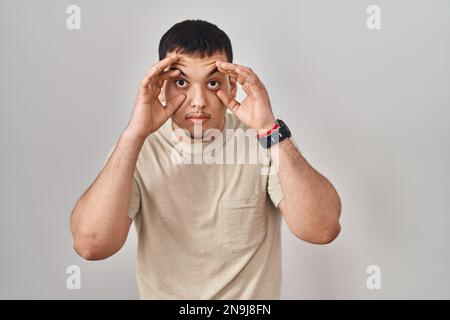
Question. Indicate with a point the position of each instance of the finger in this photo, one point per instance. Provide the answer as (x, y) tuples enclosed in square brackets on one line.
[(230, 102), (241, 73), (233, 74), (241, 80), (166, 75), (174, 104), (229, 71), (169, 74), (242, 77), (159, 67), (164, 63), (249, 81)]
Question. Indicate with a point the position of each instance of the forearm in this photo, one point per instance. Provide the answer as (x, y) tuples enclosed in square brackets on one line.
[(312, 205), (100, 221)]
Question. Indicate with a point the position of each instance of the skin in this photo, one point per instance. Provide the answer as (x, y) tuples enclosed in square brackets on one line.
[(200, 79), (178, 86)]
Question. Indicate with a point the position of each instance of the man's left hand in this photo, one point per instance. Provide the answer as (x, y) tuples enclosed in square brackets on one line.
[(255, 110)]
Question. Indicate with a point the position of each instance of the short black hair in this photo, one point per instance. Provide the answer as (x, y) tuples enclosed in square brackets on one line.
[(195, 37)]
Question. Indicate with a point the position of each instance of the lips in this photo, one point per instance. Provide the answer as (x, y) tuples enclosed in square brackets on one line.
[(198, 116)]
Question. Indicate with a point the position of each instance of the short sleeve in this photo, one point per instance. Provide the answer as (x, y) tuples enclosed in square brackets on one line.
[(273, 184), (135, 196)]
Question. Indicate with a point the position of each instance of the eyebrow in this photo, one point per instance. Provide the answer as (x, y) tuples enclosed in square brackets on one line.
[(209, 73)]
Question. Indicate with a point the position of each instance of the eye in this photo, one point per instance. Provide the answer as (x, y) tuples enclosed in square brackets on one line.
[(213, 84), (181, 83)]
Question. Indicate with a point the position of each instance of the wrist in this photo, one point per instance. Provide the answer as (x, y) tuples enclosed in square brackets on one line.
[(268, 125), (134, 135), (268, 129)]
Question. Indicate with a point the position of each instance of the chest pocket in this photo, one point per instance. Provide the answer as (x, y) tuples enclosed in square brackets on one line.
[(244, 222)]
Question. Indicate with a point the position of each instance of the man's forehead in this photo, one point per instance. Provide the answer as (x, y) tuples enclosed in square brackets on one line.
[(189, 64), (195, 61)]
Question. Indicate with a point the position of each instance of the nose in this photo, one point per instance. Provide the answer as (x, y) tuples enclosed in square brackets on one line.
[(198, 99)]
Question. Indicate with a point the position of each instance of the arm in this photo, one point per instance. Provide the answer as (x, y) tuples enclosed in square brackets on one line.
[(311, 206), (99, 221)]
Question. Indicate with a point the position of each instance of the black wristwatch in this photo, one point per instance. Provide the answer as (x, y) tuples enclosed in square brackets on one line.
[(281, 133)]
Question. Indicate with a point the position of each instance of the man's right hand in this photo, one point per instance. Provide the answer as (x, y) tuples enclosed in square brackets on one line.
[(149, 114)]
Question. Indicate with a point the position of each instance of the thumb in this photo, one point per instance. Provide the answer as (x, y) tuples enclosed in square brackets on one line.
[(175, 103), (231, 103)]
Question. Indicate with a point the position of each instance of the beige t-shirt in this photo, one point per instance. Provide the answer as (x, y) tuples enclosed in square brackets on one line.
[(206, 229)]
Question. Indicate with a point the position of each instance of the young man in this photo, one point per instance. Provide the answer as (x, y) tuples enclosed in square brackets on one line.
[(208, 225)]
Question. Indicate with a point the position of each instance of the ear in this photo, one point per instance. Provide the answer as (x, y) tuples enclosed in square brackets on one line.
[(233, 86)]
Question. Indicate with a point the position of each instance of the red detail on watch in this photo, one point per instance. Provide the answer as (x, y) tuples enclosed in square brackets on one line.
[(275, 127)]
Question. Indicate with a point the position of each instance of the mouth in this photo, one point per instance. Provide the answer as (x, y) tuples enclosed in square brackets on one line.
[(202, 117)]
